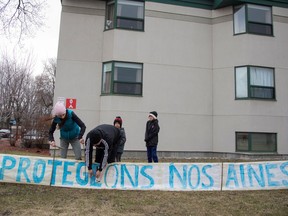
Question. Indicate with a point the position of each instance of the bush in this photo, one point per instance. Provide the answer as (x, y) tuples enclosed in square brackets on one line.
[(41, 143)]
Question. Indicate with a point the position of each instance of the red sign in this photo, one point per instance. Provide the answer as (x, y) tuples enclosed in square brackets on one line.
[(70, 103)]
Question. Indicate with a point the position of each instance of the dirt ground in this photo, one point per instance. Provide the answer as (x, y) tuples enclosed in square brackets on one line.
[(6, 148)]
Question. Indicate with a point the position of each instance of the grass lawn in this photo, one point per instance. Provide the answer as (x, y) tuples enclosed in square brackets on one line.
[(23, 199)]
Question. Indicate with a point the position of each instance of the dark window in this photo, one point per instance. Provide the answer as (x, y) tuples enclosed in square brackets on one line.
[(110, 10), (254, 19), (254, 82), (122, 78), (127, 15), (256, 142)]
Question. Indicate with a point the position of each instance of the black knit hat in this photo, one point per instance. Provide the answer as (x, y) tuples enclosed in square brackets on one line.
[(154, 114), (119, 120), (95, 137)]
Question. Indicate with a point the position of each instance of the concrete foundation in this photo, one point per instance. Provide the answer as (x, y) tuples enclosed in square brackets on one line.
[(194, 155)]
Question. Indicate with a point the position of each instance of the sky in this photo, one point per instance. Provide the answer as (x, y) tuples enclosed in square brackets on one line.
[(45, 43)]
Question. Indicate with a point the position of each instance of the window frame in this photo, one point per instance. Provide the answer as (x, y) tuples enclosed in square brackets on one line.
[(250, 86), (106, 27), (112, 81), (116, 17), (248, 23), (250, 144)]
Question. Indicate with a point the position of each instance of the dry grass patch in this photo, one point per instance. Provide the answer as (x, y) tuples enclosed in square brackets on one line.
[(21, 199)]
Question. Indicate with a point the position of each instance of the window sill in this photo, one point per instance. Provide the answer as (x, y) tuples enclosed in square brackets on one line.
[(248, 33), (256, 99), (126, 95)]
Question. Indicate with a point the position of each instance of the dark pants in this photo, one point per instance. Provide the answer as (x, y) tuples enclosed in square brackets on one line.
[(112, 153), (118, 157), (100, 154), (152, 154)]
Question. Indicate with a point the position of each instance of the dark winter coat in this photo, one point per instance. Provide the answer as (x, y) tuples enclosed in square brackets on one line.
[(122, 141), (151, 133), (107, 148)]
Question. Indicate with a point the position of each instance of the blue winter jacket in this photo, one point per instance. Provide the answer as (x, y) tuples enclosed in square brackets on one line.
[(69, 130)]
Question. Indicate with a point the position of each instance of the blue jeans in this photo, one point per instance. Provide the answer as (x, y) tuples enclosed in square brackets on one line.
[(152, 154)]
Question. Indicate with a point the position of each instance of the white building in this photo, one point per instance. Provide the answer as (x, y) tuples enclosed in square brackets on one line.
[(216, 71)]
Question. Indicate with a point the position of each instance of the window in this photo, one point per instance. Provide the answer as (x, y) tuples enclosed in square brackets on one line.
[(125, 14), (254, 82), (254, 19), (122, 78), (256, 142)]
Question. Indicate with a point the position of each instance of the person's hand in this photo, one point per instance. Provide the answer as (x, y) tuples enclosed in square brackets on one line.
[(91, 173), (98, 174), (52, 143), (82, 141)]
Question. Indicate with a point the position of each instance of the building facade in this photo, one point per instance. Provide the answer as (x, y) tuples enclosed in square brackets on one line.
[(216, 71)]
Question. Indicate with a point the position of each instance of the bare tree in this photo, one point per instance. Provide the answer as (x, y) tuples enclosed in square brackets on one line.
[(16, 90), (21, 17), (45, 85), (50, 70), (25, 99), (7, 74), (44, 93)]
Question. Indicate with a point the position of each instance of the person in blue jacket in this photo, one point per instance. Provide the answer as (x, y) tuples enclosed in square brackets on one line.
[(71, 129)]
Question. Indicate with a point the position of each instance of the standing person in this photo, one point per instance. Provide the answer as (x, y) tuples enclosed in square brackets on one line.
[(105, 138), (118, 124), (71, 128), (151, 136)]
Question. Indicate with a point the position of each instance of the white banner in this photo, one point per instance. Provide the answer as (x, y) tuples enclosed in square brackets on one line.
[(255, 176), (145, 176)]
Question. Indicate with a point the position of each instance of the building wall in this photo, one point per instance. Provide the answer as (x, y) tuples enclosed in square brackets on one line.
[(182, 70), (79, 61), (188, 57), (230, 115)]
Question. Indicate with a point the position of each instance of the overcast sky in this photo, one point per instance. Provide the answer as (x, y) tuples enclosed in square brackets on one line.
[(45, 44)]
